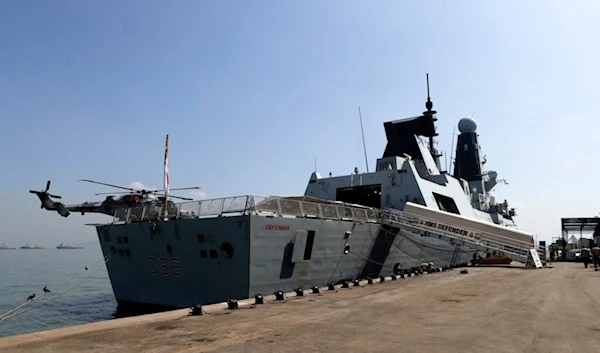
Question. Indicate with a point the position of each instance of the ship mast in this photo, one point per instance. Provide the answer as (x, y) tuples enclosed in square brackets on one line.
[(430, 114), (166, 176)]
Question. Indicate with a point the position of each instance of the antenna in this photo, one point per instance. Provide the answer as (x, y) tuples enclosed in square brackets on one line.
[(452, 146), (430, 113), (315, 164), (363, 138)]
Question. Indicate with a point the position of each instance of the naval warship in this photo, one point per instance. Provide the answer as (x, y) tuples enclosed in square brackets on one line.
[(406, 213)]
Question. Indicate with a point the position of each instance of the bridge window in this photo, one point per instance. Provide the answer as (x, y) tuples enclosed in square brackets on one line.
[(445, 203), (368, 195)]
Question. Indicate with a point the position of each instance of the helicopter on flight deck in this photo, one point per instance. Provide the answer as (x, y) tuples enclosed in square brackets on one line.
[(130, 198)]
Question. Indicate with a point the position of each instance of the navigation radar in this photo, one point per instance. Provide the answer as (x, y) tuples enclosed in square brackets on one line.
[(467, 125)]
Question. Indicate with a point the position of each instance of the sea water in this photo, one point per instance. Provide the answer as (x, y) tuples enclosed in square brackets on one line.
[(86, 296)]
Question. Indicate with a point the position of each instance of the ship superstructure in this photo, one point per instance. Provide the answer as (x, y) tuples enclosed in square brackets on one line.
[(3, 246), (408, 213)]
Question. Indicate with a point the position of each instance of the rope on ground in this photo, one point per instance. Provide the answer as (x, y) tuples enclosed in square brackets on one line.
[(7, 315)]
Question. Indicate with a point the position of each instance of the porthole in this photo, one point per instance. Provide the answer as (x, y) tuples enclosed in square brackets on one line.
[(127, 253), (226, 249), (126, 240), (203, 254), (210, 237), (201, 238)]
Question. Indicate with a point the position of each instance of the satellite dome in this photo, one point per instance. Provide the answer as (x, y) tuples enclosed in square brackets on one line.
[(466, 125)]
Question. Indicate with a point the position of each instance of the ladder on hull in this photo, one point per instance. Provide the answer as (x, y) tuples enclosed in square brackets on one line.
[(514, 249)]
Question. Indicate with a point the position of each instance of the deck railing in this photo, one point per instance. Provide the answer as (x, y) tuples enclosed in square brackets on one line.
[(228, 206)]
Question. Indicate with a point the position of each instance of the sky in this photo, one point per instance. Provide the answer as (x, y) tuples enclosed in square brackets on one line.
[(251, 93)]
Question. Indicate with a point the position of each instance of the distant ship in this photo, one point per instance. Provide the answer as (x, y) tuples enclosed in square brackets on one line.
[(67, 246), (26, 246), (3, 246)]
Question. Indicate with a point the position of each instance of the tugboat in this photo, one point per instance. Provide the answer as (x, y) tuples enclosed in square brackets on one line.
[(67, 246), (3, 246)]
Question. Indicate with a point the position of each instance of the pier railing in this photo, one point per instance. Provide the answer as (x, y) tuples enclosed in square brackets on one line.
[(239, 205)]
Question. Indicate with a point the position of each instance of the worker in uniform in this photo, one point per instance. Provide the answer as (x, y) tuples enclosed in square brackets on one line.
[(585, 257), (596, 256)]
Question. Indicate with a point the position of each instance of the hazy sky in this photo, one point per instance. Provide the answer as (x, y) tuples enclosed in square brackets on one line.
[(251, 92)]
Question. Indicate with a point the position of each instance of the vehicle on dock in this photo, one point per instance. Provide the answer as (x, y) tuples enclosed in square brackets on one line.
[(405, 213)]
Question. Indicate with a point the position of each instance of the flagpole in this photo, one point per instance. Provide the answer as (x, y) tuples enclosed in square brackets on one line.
[(166, 176)]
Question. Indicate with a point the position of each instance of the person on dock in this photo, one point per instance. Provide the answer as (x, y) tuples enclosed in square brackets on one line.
[(596, 256), (585, 257)]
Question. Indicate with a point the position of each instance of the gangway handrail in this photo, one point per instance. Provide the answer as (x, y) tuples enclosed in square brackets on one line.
[(482, 234), (511, 248)]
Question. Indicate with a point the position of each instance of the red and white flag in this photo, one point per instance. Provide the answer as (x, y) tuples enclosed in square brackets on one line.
[(166, 187)]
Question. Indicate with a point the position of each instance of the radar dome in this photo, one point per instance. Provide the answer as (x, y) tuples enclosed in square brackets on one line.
[(466, 125)]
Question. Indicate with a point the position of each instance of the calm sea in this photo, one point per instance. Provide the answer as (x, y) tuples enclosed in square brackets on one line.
[(87, 295)]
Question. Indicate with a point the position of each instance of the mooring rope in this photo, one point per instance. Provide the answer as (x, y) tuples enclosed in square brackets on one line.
[(7, 315)]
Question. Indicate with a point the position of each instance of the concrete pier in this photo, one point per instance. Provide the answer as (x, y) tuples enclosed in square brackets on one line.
[(490, 309)]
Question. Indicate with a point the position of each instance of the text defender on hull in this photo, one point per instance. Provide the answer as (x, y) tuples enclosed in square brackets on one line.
[(407, 213)]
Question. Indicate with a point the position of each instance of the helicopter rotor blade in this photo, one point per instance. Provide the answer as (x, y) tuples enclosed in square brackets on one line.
[(115, 193), (55, 196), (106, 184), (175, 189), (176, 197), (190, 188), (47, 186)]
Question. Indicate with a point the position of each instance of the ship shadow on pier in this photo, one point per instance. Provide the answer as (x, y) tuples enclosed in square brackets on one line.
[(129, 309)]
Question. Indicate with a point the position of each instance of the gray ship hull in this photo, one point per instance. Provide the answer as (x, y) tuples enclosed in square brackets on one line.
[(183, 262)]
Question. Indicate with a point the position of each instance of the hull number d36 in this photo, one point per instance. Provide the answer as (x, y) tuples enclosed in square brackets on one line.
[(164, 266)]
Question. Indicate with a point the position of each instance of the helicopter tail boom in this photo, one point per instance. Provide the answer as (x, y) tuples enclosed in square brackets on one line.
[(48, 203)]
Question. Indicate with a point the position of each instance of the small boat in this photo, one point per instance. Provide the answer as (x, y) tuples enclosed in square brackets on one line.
[(27, 247), (67, 246), (3, 246)]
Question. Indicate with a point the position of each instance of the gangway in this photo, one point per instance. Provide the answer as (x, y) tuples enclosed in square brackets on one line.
[(457, 229)]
